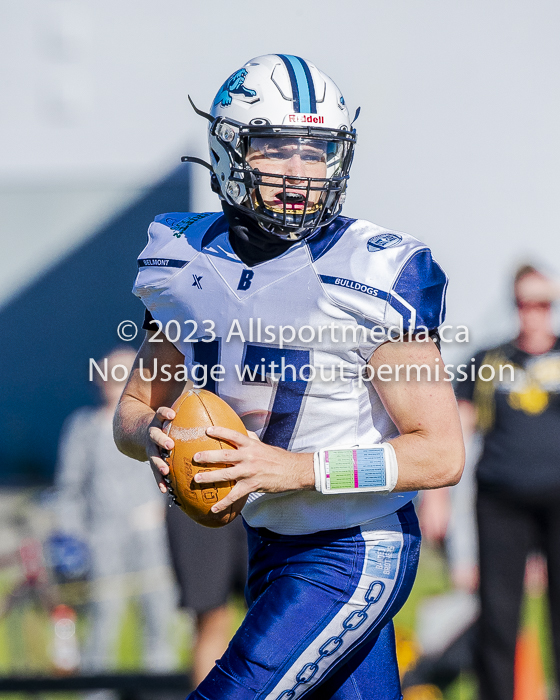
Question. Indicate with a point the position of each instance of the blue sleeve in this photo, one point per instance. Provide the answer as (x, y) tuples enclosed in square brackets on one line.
[(422, 284)]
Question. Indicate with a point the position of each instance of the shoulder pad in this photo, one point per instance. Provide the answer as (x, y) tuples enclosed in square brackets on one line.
[(174, 239), (388, 277), (190, 226)]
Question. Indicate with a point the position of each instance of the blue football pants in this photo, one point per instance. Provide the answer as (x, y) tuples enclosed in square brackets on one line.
[(320, 614)]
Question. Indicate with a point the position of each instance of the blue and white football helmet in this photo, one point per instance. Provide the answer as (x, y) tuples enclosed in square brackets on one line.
[(276, 106)]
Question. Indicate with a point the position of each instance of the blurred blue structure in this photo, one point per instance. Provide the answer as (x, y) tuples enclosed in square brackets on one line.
[(66, 316)]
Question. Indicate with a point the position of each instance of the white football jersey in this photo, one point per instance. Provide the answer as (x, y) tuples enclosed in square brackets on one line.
[(289, 339)]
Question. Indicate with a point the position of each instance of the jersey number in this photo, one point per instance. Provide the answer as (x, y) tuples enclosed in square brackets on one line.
[(258, 361)]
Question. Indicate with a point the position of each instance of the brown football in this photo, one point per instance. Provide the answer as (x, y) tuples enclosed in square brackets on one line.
[(197, 410)]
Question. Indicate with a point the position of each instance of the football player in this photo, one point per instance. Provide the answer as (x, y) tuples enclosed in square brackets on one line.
[(297, 310)]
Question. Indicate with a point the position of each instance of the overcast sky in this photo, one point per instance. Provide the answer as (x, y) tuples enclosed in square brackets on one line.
[(458, 138)]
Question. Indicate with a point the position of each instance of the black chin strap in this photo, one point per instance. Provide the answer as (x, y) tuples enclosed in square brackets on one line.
[(249, 241)]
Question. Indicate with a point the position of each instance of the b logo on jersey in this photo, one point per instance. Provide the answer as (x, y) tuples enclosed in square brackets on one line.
[(245, 280), (382, 241), (233, 86)]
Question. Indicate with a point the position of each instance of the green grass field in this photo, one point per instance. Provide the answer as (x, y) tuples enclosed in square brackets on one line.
[(26, 632)]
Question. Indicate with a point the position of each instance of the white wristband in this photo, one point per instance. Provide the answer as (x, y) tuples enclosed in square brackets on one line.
[(356, 469)]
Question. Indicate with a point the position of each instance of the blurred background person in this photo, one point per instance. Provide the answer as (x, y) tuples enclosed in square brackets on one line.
[(210, 566), (518, 475), (113, 504), (446, 622)]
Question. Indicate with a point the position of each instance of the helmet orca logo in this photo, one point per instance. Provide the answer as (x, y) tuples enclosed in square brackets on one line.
[(233, 86)]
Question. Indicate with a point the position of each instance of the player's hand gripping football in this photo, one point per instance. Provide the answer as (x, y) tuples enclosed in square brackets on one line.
[(255, 466), (159, 444)]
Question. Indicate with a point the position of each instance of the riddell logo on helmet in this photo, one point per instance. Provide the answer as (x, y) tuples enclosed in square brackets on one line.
[(305, 119)]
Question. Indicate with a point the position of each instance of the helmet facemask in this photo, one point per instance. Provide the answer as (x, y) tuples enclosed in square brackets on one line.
[(291, 180)]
